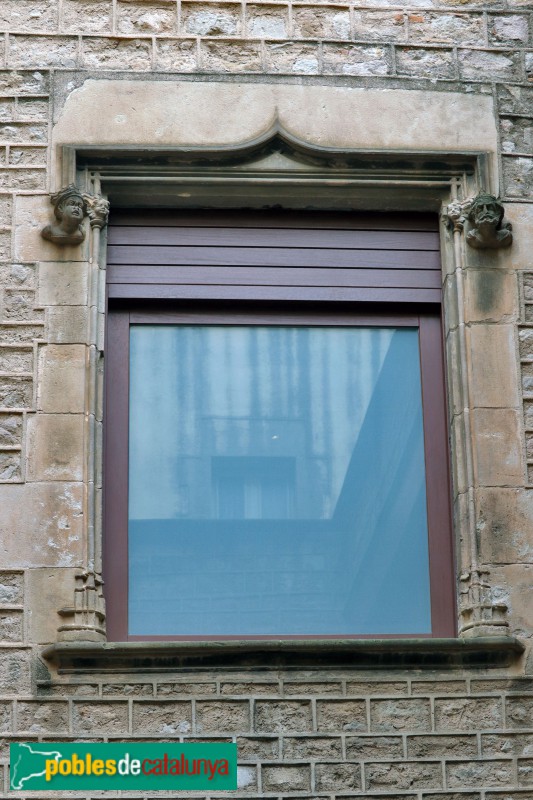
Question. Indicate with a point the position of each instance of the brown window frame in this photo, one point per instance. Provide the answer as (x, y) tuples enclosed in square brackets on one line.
[(122, 314)]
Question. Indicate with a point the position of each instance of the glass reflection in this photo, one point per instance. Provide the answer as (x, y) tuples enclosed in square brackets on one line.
[(276, 481)]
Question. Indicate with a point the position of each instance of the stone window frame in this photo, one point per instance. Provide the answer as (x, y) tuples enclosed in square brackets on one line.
[(370, 181)]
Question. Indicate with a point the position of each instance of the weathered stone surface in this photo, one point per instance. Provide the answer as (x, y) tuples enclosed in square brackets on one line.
[(231, 56), (311, 747), (252, 688), (11, 626), (467, 714), (494, 381), (169, 689), (525, 772), (34, 108), (490, 295), (10, 431), (400, 715), (11, 588), (514, 99), (29, 15), (318, 688), (67, 324), (16, 392), (177, 54), (23, 156), (488, 65), (13, 333), (62, 371), (508, 30), (115, 53), (471, 774), (324, 23), (67, 690), (42, 51), (517, 135), (48, 591), (252, 748), (10, 466), (356, 60), (62, 284), (266, 21), (215, 19), (14, 673), (438, 687), (224, 716), (421, 62), (497, 447), (146, 18), (379, 688), (380, 25), (127, 689), (371, 747), (451, 746), (284, 716), (518, 176), (16, 359), (338, 777), (42, 717), (505, 525), (166, 718), (54, 515), (19, 305), (292, 57), (286, 778), (411, 775), (86, 16), (454, 28), (109, 717), (520, 744), (56, 442), (344, 715)]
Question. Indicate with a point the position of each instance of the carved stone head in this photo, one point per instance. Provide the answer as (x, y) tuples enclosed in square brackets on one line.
[(69, 209), (487, 229), (486, 210)]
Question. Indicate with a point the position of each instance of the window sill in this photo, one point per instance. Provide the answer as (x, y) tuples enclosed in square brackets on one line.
[(479, 652)]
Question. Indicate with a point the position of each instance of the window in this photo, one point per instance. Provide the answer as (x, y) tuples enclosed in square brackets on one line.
[(277, 473)]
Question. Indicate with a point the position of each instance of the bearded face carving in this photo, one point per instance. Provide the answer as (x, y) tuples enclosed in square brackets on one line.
[(487, 229)]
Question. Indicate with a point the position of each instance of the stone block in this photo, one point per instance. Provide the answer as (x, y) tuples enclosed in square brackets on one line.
[(34, 108), (10, 430), (56, 443), (62, 283), (110, 717), (48, 591), (452, 746), (176, 54), (513, 585), (16, 392), (458, 28), (438, 687), (307, 747), (18, 276), (517, 135), (464, 714), (192, 688), (308, 687), (400, 715), (507, 744), (379, 688), (525, 772), (23, 179), (42, 716), (494, 378), (497, 447), (11, 626), (247, 778), (253, 688), (28, 52), (409, 775), (471, 774), (16, 359), (341, 715), (86, 16), (267, 21), (425, 62), (5, 245), (165, 718), (115, 53), (286, 778), (368, 747), (67, 324), (47, 689), (41, 525), (517, 685), (14, 673), (20, 82), (483, 65), (10, 467), (258, 748), (231, 56), (283, 716), (127, 689), (380, 25), (29, 15), (356, 60), (222, 716), (505, 525), (19, 305), (215, 19), (310, 22), (11, 588), (508, 29), (518, 176), (16, 132), (338, 777), (490, 295), (289, 57), (62, 373), (6, 209), (25, 156), (514, 99), (146, 18)]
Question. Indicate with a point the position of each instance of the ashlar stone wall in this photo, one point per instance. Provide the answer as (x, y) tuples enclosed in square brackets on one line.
[(313, 733)]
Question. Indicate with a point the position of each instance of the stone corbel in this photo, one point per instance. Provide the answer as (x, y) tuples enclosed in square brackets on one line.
[(70, 209), (484, 214), (480, 615), (85, 621)]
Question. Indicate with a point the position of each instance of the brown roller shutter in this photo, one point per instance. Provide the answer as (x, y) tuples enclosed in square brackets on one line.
[(268, 255)]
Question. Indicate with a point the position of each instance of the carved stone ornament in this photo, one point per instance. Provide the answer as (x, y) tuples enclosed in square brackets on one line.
[(480, 614), (484, 213), (70, 208), (97, 210), (85, 620)]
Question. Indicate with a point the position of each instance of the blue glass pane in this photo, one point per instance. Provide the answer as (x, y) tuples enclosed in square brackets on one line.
[(276, 481)]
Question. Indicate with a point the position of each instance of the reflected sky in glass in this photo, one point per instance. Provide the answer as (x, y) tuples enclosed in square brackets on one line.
[(276, 481)]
